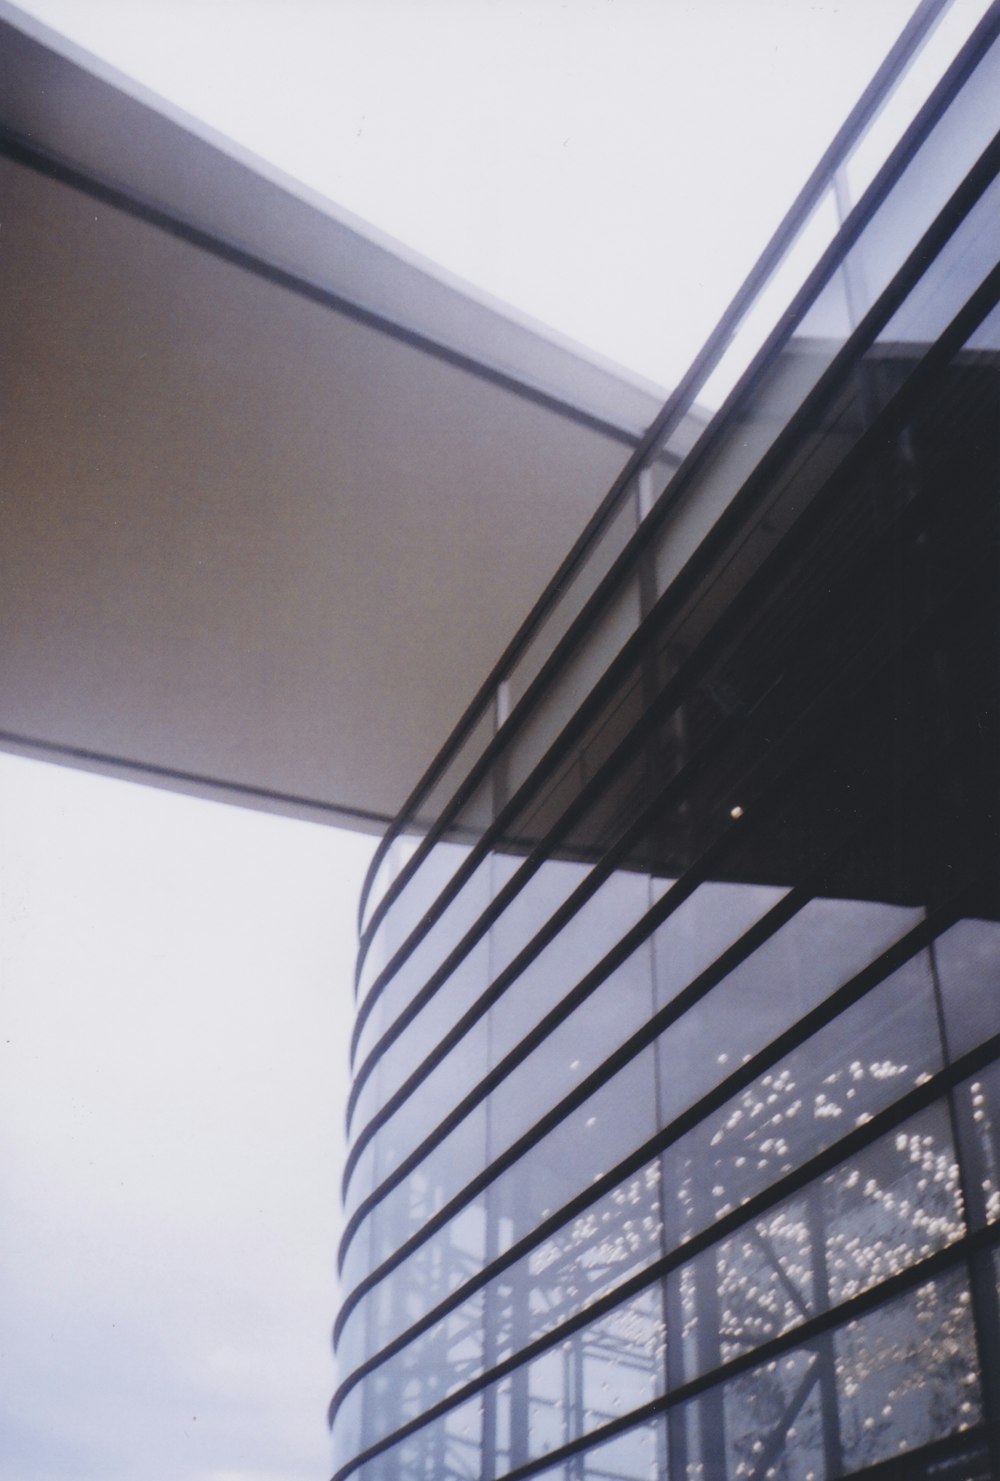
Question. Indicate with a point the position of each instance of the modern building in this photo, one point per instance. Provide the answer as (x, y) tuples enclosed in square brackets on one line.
[(674, 1129), (676, 1095)]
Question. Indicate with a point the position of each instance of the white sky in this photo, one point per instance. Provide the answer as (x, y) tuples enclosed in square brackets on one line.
[(176, 973), (175, 993)]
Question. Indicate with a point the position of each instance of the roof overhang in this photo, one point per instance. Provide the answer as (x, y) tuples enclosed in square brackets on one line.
[(276, 492)]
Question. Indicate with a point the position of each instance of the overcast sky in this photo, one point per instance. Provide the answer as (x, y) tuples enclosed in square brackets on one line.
[(176, 991), (175, 973)]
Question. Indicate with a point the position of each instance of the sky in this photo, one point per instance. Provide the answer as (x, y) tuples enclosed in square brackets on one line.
[(174, 973), (175, 993)]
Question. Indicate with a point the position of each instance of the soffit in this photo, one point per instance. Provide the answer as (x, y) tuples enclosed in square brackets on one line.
[(250, 538)]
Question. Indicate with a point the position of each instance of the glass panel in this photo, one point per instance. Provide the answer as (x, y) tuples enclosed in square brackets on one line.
[(431, 807), (464, 987), (347, 1431), (977, 1108), (607, 1369), (604, 1371), (910, 92), (901, 1377), (926, 185), (459, 767), (822, 946), (870, 265), (465, 1065), (907, 1373), (417, 895), (577, 676), (893, 1204), (640, 1454), (769, 305), (621, 901), (408, 1207), (459, 916), (397, 855), (834, 1081), (452, 1447), (950, 280), (613, 539), (967, 959), (397, 1392)]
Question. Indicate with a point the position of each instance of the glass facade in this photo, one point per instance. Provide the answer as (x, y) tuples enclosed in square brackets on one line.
[(676, 1113)]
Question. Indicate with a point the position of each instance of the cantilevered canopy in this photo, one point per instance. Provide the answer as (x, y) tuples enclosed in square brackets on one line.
[(275, 495)]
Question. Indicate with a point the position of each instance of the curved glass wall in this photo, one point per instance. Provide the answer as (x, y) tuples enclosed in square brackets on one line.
[(676, 1118)]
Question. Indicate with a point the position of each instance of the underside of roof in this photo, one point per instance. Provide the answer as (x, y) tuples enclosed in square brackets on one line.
[(275, 495)]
